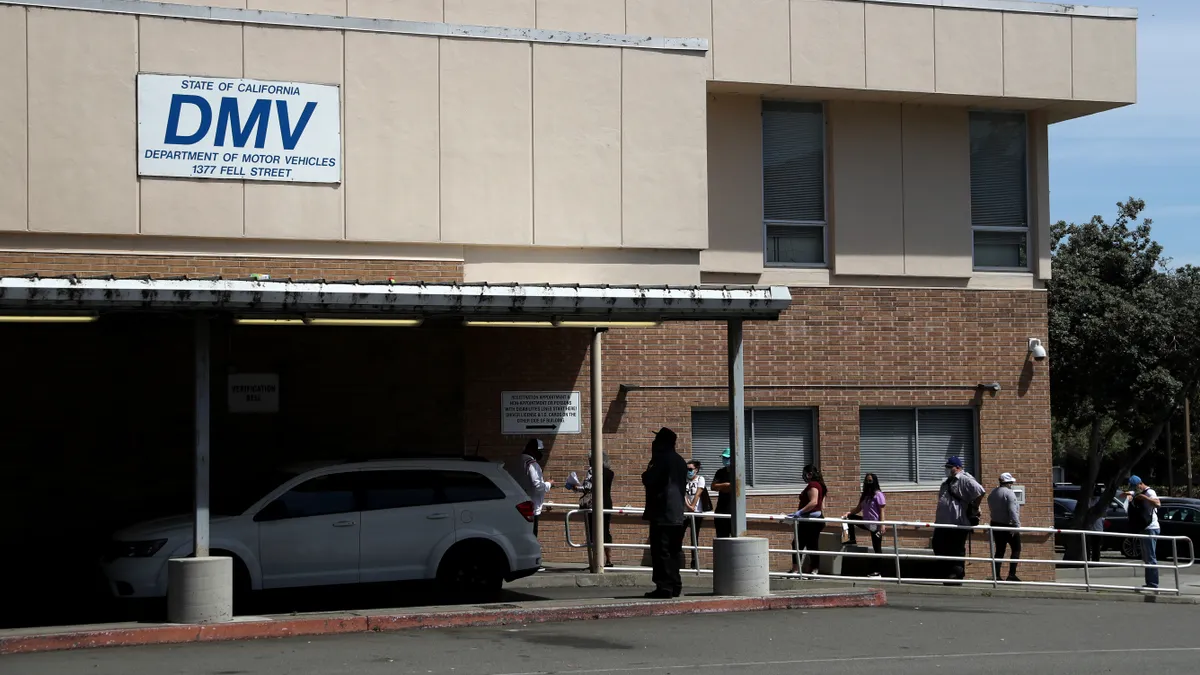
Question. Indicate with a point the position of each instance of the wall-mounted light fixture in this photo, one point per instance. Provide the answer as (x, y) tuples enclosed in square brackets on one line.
[(991, 386)]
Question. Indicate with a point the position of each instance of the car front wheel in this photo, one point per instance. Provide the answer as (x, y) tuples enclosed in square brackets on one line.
[(1131, 548)]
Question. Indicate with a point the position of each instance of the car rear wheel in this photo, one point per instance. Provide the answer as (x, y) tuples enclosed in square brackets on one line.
[(1131, 548), (473, 571)]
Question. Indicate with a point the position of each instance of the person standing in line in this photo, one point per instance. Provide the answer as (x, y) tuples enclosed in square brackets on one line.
[(1143, 519), (958, 504), (530, 478), (871, 504), (1096, 543), (1006, 512), (694, 502), (587, 500), (812, 501), (723, 486), (665, 480)]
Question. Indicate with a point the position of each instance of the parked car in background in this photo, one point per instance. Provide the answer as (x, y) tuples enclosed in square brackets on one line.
[(1114, 520), (1177, 517), (466, 524)]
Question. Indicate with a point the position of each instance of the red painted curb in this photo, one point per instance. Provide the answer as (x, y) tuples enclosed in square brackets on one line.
[(252, 630)]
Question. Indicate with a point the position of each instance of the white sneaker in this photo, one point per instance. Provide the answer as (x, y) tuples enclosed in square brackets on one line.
[(873, 575)]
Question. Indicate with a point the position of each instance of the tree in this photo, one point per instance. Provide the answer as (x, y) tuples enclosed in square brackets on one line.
[(1125, 330)]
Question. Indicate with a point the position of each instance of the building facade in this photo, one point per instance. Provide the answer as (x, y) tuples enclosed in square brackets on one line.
[(886, 160)]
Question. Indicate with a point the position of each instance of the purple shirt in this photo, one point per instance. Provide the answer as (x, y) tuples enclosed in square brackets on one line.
[(871, 507)]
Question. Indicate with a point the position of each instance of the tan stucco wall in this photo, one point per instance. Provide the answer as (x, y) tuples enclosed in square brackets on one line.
[(899, 194)]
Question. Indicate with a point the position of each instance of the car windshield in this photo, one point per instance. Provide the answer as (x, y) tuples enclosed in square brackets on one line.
[(233, 494)]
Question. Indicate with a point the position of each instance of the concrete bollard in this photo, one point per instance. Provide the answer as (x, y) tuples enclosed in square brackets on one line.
[(199, 590), (741, 567)]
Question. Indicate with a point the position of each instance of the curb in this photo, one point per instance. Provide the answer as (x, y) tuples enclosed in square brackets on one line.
[(254, 629), (1027, 594)]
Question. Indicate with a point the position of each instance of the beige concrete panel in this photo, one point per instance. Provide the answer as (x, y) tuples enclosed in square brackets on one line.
[(192, 208), (82, 122), (937, 192), (487, 142), (285, 211), (228, 4), (329, 7), (14, 131), (1039, 197), (900, 47), (576, 146), (392, 169), (780, 276), (664, 161), (507, 13), (579, 266), (752, 40), (1037, 56), (867, 187), (402, 10), (189, 47), (1104, 59), (828, 43), (585, 16), (672, 18), (1006, 281), (288, 210), (969, 51), (735, 203)]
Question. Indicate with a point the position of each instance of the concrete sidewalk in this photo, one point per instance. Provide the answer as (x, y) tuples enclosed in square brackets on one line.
[(335, 623)]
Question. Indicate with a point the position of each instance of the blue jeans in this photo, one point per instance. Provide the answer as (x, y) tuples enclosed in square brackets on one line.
[(1148, 557)]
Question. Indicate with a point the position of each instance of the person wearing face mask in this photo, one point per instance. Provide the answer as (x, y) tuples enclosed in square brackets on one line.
[(694, 498), (958, 504), (808, 533), (870, 505), (722, 485)]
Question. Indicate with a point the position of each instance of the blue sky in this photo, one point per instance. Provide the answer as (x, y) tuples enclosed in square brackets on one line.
[(1150, 150)]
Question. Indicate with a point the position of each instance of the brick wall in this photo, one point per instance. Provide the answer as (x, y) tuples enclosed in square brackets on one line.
[(85, 264), (868, 338)]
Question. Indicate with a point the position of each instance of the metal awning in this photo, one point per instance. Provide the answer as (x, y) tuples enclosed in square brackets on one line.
[(257, 296)]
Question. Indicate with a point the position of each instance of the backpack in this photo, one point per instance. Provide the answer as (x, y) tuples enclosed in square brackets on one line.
[(970, 509), (1141, 514)]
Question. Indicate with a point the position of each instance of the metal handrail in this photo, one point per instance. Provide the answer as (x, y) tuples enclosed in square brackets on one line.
[(897, 556)]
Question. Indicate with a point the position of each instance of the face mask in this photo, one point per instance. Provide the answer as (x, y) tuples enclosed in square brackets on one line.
[(725, 461), (949, 473), (691, 473)]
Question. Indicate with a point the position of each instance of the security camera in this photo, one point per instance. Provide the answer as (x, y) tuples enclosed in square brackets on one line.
[(1036, 348)]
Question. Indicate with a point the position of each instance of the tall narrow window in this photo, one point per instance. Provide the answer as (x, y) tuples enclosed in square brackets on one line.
[(999, 191), (794, 183)]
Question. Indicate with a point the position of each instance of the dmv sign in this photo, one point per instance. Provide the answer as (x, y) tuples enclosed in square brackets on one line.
[(202, 127)]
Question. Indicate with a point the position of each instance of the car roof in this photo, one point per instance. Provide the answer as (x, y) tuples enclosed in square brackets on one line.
[(421, 463), (1182, 501)]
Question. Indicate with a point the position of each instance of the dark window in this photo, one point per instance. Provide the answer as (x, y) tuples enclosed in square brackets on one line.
[(468, 486), (398, 489), (906, 445), (999, 202), (779, 442), (793, 144), (320, 496)]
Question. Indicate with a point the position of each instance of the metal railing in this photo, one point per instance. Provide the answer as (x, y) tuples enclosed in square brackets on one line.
[(897, 556)]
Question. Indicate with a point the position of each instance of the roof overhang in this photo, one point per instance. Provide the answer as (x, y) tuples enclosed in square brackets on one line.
[(264, 297)]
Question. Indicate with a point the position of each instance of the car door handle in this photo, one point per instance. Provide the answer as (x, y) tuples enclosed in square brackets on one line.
[(437, 516), (344, 523)]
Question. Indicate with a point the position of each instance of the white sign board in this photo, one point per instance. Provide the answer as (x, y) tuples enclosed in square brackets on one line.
[(233, 129), (540, 412), (254, 393)]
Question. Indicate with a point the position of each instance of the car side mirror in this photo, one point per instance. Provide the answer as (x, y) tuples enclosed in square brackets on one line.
[(276, 510)]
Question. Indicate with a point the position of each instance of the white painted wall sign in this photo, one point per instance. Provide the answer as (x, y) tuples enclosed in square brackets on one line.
[(254, 393), (540, 412), (235, 129)]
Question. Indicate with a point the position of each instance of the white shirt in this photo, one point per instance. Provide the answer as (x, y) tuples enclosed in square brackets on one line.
[(537, 486), (694, 486), (1151, 494)]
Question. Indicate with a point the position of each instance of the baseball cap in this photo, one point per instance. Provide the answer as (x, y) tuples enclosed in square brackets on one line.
[(1007, 478), (955, 461), (726, 454), (1135, 480)]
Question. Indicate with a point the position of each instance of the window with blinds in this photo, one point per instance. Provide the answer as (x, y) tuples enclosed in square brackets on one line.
[(793, 137), (779, 442), (907, 445), (999, 190)]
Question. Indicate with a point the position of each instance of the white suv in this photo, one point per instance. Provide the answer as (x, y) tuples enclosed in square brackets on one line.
[(464, 523)]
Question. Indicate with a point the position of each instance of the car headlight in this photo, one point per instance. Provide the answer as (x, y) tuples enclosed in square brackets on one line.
[(133, 549)]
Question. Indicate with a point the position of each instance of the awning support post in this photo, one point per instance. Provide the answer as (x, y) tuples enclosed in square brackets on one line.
[(203, 391), (597, 521), (737, 423)]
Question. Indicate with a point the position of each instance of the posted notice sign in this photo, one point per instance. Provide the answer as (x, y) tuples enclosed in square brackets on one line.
[(540, 412), (234, 129), (254, 393)]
